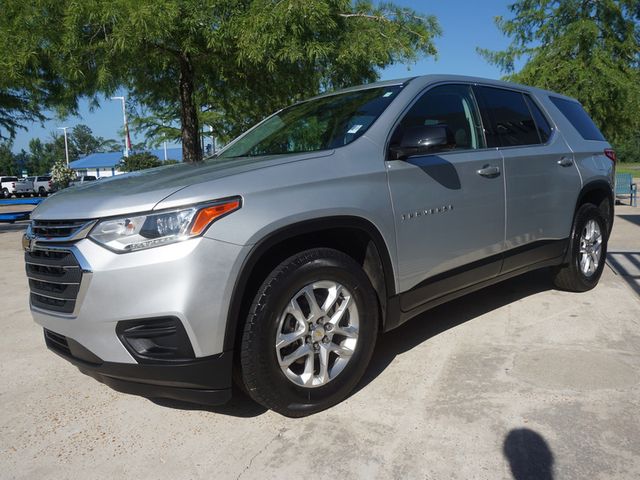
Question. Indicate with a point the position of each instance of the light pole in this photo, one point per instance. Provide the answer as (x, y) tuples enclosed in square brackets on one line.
[(165, 144), (66, 145), (126, 127)]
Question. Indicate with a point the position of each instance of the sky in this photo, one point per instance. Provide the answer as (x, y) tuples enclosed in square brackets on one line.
[(466, 24)]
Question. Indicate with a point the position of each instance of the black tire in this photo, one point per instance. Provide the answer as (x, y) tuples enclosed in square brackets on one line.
[(5, 193), (42, 192), (570, 277), (261, 374)]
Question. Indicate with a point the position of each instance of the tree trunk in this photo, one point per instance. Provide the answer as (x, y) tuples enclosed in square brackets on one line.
[(191, 149)]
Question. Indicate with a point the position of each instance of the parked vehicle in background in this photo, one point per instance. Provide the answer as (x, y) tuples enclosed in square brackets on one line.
[(24, 187), (82, 179), (43, 185), (333, 220), (8, 186)]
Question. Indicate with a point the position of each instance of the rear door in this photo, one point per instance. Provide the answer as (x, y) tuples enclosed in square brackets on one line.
[(449, 216), (540, 176)]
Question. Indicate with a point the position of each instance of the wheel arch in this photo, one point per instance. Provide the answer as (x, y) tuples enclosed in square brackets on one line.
[(599, 193), (372, 253)]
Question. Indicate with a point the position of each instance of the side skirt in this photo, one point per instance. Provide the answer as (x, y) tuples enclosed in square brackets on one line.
[(465, 280)]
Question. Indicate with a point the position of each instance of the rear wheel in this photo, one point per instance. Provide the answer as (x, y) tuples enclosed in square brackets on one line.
[(42, 192), (6, 193), (587, 251), (310, 333)]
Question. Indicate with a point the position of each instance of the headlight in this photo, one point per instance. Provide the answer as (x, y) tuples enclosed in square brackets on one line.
[(140, 231)]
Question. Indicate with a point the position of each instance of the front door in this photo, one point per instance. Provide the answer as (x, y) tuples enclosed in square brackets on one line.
[(449, 204)]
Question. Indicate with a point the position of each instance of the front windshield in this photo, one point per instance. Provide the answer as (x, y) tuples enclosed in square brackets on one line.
[(324, 123)]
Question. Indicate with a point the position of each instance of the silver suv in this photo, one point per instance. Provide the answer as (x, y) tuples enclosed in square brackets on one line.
[(279, 261)]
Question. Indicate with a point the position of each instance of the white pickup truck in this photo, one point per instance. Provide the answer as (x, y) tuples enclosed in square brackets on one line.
[(24, 187), (36, 186), (8, 186)]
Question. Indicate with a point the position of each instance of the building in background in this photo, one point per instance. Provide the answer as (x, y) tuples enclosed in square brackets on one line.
[(106, 164)]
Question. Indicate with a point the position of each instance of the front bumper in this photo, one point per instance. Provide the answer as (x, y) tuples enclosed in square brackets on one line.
[(205, 381), (190, 282)]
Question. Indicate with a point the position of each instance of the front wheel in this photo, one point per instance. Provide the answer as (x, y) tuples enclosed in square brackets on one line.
[(310, 333), (587, 251)]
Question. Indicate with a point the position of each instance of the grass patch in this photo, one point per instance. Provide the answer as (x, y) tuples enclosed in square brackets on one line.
[(628, 167)]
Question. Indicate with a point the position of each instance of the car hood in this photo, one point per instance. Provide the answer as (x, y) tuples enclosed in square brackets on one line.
[(142, 191)]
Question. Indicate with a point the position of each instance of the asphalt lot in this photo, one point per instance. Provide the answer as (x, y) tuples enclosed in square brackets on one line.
[(516, 379)]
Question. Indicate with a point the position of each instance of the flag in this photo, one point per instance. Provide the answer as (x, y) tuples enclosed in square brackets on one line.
[(127, 137)]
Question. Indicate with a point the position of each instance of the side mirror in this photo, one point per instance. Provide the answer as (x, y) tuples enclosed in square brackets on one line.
[(423, 139)]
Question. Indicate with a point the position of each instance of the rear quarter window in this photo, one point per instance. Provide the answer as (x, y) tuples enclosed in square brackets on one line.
[(580, 120), (507, 118)]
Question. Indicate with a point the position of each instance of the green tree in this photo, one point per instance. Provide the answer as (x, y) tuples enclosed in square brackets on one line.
[(39, 161), (587, 49), (43, 155), (109, 145), (83, 142), (226, 63), (36, 74), (7, 160), (139, 161)]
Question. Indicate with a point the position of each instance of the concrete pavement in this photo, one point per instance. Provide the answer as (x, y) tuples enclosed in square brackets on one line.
[(517, 379), (624, 249)]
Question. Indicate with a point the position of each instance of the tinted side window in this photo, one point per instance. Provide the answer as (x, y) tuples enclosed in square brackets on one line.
[(544, 129), (580, 120), (507, 119), (450, 105)]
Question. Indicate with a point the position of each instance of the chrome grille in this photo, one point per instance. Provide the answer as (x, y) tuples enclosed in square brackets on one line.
[(54, 279), (56, 228)]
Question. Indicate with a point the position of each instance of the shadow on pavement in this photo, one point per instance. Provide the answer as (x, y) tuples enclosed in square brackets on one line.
[(627, 266), (631, 218), (240, 406), (529, 456), (450, 315)]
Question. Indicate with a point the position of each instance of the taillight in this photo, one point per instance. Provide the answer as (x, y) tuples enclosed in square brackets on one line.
[(50, 183), (611, 154)]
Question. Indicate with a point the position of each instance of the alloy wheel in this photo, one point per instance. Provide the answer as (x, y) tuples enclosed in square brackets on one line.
[(317, 334)]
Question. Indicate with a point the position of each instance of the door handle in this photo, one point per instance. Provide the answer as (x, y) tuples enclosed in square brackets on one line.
[(489, 171), (565, 162)]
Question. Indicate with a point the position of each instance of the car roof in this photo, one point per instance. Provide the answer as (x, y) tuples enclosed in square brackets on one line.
[(439, 78), (366, 86)]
